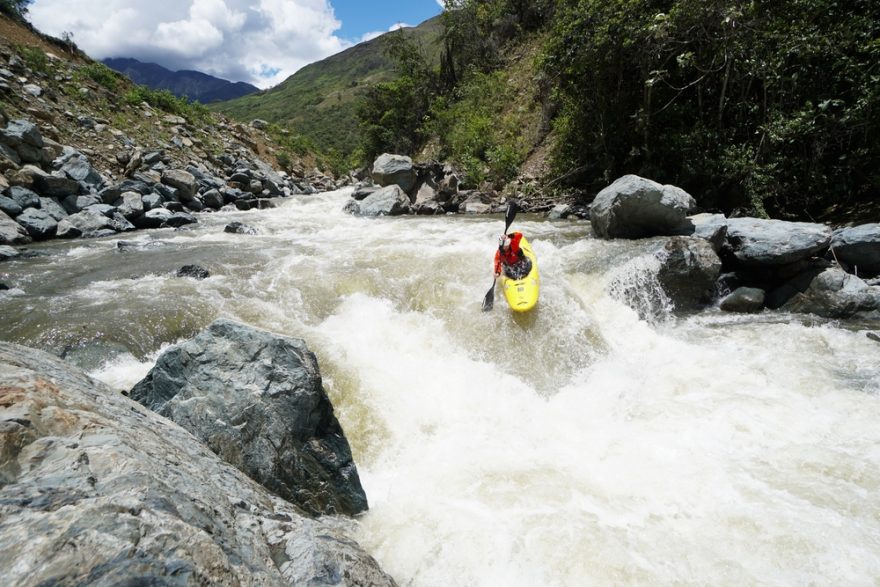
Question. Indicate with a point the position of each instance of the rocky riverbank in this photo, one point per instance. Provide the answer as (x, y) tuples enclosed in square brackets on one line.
[(82, 156), (745, 264), (98, 489)]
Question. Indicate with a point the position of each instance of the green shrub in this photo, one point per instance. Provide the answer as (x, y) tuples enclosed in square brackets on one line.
[(34, 58), (100, 74)]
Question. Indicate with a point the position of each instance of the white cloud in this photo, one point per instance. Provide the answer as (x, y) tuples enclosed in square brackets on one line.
[(373, 34), (258, 41)]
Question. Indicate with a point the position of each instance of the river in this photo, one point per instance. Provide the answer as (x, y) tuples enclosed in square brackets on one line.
[(599, 440)]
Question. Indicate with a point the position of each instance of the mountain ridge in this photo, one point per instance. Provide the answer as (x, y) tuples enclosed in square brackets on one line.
[(194, 85), (318, 101)]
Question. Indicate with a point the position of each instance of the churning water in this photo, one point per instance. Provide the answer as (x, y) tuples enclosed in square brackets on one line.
[(598, 440)]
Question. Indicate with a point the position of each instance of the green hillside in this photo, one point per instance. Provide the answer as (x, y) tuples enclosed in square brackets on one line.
[(318, 101)]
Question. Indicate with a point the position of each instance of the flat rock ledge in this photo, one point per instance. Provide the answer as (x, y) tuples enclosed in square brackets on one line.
[(95, 489)]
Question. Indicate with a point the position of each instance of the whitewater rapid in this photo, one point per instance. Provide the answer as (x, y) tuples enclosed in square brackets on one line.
[(600, 440)]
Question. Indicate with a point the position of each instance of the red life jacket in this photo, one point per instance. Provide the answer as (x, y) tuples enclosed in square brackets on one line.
[(512, 256)]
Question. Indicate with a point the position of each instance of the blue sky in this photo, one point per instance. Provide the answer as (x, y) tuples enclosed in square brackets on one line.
[(261, 42), (361, 18)]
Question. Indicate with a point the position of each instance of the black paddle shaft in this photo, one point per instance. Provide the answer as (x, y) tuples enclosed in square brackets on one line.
[(509, 215)]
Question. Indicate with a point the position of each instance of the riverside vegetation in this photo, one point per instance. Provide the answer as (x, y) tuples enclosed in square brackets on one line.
[(755, 108)]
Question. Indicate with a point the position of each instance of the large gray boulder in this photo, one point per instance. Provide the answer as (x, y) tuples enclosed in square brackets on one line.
[(21, 132), (859, 247), (711, 227), (388, 201), (11, 232), (827, 291), (130, 205), (10, 206), (77, 167), (635, 207), (153, 218), (24, 197), (52, 185), (38, 223), (689, 268), (755, 241), (86, 224), (53, 208), (256, 399), (98, 490), (398, 170), (183, 181)]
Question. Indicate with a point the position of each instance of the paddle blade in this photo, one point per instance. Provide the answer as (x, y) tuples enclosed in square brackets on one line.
[(509, 214), (489, 300)]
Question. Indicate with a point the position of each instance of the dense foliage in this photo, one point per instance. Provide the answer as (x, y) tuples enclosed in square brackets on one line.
[(770, 107), (14, 8)]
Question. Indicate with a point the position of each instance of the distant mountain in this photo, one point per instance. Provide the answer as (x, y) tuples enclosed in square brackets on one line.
[(319, 100), (195, 85)]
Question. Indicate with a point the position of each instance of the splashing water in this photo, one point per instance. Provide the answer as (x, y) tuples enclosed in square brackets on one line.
[(596, 440)]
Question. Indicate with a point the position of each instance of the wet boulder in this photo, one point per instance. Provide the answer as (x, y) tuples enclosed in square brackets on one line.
[(178, 219), (193, 271), (213, 199), (828, 291), (758, 242), (388, 201), (858, 247), (7, 252), (98, 490), (239, 228), (743, 300), (689, 268), (391, 169), (257, 400), (362, 191), (635, 207), (153, 218)]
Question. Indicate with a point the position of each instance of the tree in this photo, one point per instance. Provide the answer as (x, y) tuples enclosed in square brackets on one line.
[(14, 8)]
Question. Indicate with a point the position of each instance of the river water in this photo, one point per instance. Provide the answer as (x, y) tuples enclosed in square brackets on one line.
[(598, 440)]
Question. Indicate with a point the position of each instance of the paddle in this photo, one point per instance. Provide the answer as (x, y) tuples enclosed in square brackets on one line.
[(509, 215)]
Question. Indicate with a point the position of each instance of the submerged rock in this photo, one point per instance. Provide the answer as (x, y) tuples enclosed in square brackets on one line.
[(194, 271), (98, 490), (239, 228), (257, 400), (744, 300)]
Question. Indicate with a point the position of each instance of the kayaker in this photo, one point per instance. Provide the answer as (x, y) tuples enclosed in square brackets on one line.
[(511, 258)]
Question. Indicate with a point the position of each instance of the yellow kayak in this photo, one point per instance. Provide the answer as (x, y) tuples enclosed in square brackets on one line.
[(522, 294)]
